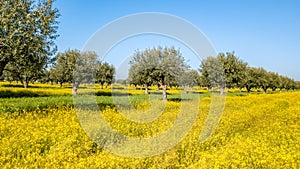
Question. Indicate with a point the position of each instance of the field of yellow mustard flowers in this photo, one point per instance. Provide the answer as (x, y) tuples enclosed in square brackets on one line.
[(39, 129)]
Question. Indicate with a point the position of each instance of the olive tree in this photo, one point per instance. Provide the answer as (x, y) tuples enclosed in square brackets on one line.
[(157, 66), (27, 33)]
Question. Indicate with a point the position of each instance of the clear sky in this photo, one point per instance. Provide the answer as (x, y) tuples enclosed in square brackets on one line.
[(263, 33)]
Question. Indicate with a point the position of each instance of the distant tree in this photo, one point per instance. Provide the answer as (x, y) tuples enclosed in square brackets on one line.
[(74, 67), (27, 33), (289, 84), (189, 79), (85, 68), (264, 79), (104, 74), (159, 65), (294, 85), (234, 68), (251, 79), (47, 77), (297, 85), (212, 73), (63, 68), (137, 77), (122, 81), (274, 81)]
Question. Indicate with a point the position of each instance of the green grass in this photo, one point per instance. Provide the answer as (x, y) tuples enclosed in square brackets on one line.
[(24, 104), (13, 98)]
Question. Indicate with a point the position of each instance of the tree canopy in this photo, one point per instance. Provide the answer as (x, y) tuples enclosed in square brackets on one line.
[(159, 65), (104, 74), (27, 33)]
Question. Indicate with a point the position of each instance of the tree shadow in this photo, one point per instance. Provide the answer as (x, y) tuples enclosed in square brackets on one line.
[(21, 86), (19, 94), (196, 92), (102, 93), (179, 99), (158, 92), (35, 87)]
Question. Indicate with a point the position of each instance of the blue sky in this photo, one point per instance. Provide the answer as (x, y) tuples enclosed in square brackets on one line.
[(262, 33)]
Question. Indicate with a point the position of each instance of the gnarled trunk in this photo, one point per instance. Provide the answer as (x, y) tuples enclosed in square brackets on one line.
[(25, 85), (221, 91), (265, 91), (74, 88), (185, 90), (146, 89), (248, 89), (164, 87)]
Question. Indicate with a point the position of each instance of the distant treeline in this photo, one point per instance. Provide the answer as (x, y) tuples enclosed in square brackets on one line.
[(166, 67)]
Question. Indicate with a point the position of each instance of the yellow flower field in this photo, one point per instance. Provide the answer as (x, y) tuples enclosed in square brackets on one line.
[(256, 131)]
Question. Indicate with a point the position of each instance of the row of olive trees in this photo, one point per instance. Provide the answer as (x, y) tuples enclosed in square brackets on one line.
[(74, 67), (228, 71), (260, 78), (77, 67), (166, 67)]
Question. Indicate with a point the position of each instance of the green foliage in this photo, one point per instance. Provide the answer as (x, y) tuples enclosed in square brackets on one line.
[(234, 69), (74, 67), (104, 74), (161, 66), (263, 79), (63, 68), (212, 72), (189, 79), (84, 70), (228, 69), (27, 33)]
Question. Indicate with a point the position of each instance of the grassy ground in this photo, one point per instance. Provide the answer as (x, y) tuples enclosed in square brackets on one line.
[(40, 129)]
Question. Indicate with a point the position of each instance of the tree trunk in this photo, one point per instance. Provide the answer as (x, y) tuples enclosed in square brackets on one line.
[(265, 91), (146, 89), (25, 85), (74, 88), (3, 63), (164, 87), (60, 84), (221, 91), (248, 89), (74, 91), (185, 90), (210, 89)]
